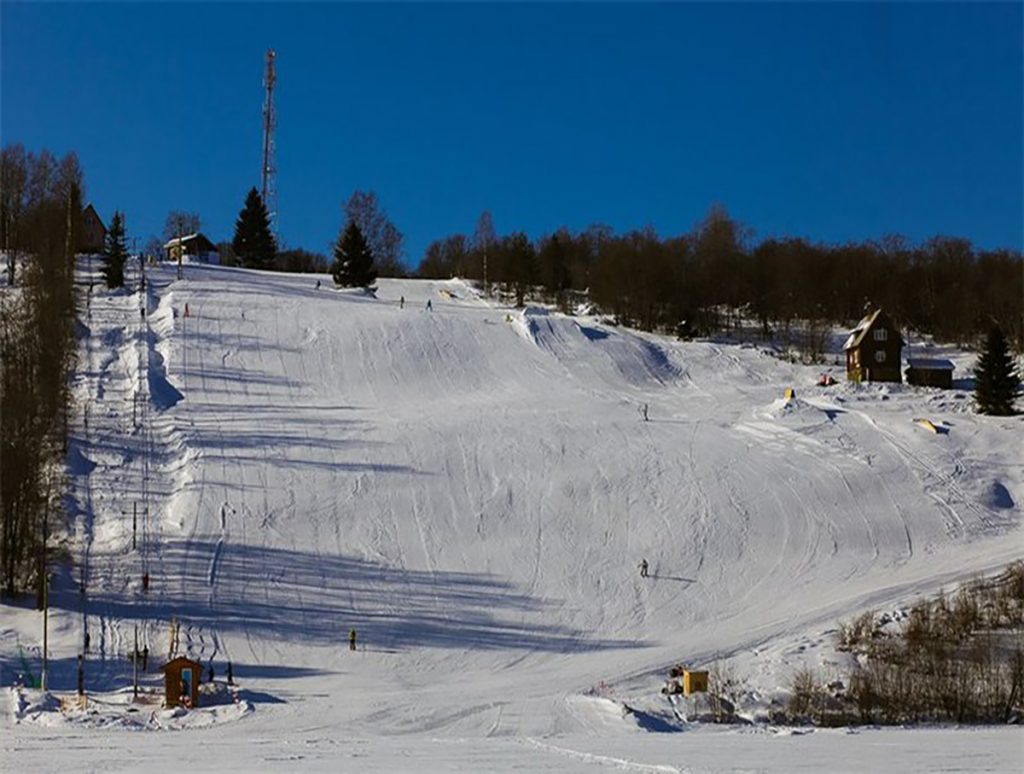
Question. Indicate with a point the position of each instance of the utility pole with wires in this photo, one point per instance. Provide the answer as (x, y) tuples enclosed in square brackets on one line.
[(268, 172)]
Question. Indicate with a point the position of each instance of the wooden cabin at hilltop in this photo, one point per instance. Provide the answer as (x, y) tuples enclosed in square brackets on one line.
[(94, 233), (194, 248), (874, 350)]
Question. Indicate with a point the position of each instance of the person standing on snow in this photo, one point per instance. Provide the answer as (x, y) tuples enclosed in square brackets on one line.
[(401, 302), (352, 639), (430, 306), (643, 568)]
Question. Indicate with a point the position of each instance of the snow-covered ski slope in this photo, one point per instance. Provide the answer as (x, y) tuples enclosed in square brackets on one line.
[(472, 488)]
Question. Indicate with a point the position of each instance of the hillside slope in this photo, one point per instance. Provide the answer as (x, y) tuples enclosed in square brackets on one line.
[(471, 488)]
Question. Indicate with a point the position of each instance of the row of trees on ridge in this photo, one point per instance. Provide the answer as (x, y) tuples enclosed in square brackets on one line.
[(717, 279)]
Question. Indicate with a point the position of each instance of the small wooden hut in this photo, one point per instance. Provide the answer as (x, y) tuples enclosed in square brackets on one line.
[(181, 682), (930, 372)]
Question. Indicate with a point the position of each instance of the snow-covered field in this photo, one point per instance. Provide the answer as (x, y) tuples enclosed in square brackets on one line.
[(472, 488)]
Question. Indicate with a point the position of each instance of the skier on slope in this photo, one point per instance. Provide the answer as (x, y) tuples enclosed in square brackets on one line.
[(643, 568), (352, 639)]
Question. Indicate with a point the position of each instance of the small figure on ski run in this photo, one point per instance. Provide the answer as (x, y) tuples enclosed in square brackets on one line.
[(318, 284), (643, 411), (643, 568), (401, 302), (352, 639), (231, 675), (429, 305), (145, 581)]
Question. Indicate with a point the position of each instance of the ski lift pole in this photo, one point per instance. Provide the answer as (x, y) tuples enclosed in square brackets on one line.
[(135, 666), (46, 597)]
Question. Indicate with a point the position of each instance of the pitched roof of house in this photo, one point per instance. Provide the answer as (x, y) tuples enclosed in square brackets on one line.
[(201, 241), (857, 334), (929, 364), (89, 208), (177, 660)]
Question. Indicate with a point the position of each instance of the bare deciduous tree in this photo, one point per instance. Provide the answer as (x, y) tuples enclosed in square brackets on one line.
[(385, 240)]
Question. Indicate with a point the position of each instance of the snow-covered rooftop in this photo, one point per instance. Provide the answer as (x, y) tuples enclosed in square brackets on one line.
[(929, 364), (862, 327)]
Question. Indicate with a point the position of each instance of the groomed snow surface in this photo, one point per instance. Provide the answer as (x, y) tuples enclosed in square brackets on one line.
[(472, 488)]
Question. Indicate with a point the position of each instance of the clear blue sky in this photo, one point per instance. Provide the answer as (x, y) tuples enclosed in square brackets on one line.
[(830, 121)]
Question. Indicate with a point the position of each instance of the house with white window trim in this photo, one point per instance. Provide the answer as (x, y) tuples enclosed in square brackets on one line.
[(874, 350)]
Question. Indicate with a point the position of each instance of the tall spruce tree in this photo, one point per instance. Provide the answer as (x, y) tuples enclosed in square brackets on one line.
[(353, 259), (115, 253), (254, 245), (996, 382)]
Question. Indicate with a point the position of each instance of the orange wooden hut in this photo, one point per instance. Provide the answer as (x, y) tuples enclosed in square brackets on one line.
[(181, 681)]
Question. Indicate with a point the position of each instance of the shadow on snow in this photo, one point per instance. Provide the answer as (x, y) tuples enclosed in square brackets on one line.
[(298, 596)]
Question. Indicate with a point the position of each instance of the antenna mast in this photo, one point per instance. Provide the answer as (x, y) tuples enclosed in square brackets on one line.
[(268, 188)]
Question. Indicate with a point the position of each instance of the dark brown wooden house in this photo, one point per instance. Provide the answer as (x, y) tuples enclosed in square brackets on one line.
[(94, 233), (181, 679), (874, 350), (930, 372)]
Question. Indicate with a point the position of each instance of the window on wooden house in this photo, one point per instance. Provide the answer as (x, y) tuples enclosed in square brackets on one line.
[(881, 334), (880, 356)]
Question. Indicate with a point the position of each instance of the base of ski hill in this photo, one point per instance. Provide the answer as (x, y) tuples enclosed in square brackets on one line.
[(269, 745), (260, 466)]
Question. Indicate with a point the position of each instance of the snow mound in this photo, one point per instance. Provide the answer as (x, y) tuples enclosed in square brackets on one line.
[(117, 710), (798, 408)]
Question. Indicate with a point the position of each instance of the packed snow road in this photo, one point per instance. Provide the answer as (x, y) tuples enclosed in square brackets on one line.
[(472, 488)]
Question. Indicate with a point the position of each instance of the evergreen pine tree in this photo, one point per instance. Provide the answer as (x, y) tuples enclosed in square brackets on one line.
[(996, 382), (353, 259), (254, 245), (115, 253)]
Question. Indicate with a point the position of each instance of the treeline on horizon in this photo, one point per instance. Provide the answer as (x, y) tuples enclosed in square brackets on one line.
[(716, 279), (40, 216)]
